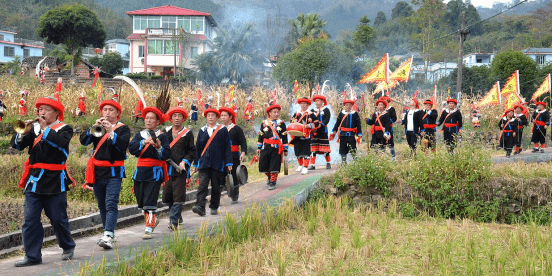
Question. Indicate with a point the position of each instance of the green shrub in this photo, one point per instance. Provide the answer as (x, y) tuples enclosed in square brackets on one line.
[(368, 171), (136, 76), (445, 183)]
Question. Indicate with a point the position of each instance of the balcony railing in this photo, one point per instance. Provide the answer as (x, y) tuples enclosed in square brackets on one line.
[(28, 42), (161, 31)]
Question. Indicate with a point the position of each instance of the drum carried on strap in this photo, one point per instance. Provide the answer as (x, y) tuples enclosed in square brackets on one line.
[(296, 129)]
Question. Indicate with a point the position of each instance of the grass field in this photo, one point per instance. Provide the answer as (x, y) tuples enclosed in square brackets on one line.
[(330, 236)]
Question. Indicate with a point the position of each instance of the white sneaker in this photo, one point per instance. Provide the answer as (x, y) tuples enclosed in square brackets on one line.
[(106, 242), (305, 170), (299, 168)]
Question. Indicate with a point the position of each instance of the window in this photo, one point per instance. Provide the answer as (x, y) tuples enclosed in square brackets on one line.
[(25, 53), (194, 52), (169, 22), (539, 59), (154, 22), (161, 47), (184, 23), (1, 37), (197, 24), (9, 51), (141, 51)]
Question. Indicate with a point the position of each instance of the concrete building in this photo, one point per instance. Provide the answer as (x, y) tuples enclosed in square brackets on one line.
[(156, 44), (11, 47), (478, 59), (121, 46), (541, 56), (435, 71)]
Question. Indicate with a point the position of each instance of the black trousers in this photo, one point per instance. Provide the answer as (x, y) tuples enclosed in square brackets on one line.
[(539, 135), (519, 137), (412, 139), (347, 144), (450, 139), (55, 207), (147, 194), (216, 178), (430, 136)]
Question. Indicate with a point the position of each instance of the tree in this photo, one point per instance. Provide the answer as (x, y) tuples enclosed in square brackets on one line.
[(380, 19), (309, 26), (453, 17), (363, 36), (427, 17), (401, 9), (508, 62), (314, 61), (75, 26), (236, 58), (112, 63), (475, 80), (96, 61)]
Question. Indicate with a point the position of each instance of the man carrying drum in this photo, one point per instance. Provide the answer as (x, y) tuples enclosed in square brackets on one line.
[(302, 123)]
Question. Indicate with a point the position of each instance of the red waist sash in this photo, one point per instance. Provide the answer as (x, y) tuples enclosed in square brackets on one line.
[(349, 129), (275, 142), (451, 125), (150, 162), (93, 163), (51, 167), (235, 148)]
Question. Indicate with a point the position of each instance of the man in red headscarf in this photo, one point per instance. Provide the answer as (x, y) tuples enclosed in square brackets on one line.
[(152, 148), (105, 169), (45, 179)]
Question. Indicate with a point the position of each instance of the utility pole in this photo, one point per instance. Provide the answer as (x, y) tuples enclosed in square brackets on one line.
[(463, 34)]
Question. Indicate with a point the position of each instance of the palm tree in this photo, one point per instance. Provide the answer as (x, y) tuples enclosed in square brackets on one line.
[(238, 54), (304, 26)]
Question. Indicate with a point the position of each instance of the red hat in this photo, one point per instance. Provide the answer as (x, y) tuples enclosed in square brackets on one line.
[(518, 106), (428, 102), (304, 100), (541, 103), (452, 101), (112, 103), (381, 101), (177, 109), (385, 98), (229, 111), (506, 112), (348, 101), (211, 110), (416, 101), (55, 104), (272, 107), (160, 116), (320, 97)]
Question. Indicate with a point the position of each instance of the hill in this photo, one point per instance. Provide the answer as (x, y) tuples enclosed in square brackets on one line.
[(22, 17)]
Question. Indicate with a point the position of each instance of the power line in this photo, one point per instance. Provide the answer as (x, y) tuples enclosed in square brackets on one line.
[(471, 25)]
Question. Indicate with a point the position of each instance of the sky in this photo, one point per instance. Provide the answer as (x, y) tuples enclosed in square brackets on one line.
[(487, 3)]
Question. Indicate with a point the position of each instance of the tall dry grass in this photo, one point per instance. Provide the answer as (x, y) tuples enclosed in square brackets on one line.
[(331, 237)]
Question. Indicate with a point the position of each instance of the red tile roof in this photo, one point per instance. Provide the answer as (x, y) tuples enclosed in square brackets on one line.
[(167, 10), (134, 37), (200, 37)]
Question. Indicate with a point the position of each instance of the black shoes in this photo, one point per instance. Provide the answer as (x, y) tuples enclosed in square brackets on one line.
[(26, 262), (67, 254), (272, 186), (198, 210), (312, 168), (535, 150), (214, 212), (328, 166)]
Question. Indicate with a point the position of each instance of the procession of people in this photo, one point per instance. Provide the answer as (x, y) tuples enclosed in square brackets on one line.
[(168, 156)]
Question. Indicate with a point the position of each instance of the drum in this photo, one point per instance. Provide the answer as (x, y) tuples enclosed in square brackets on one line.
[(296, 129), (242, 174)]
